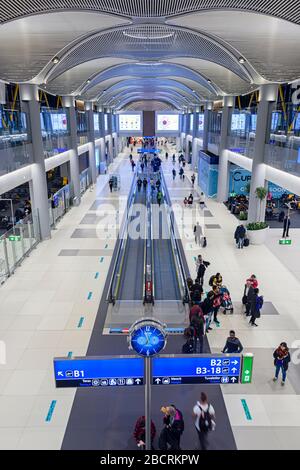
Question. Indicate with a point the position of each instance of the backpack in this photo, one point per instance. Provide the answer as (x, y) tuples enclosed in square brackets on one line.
[(178, 423), (204, 243), (259, 302), (205, 419)]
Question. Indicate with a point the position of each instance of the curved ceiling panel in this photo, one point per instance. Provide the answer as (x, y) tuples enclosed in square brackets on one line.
[(149, 42), (143, 69), (138, 96), (72, 80), (10, 9), (179, 96), (27, 45), (150, 105), (269, 44), (224, 79)]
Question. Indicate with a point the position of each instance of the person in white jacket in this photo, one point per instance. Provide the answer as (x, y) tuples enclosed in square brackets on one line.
[(198, 233), (205, 420)]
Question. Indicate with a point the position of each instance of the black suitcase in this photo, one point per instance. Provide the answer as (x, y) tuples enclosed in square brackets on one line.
[(246, 242)]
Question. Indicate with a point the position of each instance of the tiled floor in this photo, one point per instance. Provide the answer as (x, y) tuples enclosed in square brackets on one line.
[(46, 310)]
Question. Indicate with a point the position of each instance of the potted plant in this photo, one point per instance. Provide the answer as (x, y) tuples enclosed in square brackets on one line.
[(257, 231)]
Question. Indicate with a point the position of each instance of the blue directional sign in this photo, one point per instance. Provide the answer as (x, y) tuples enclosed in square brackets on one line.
[(177, 370), (99, 371)]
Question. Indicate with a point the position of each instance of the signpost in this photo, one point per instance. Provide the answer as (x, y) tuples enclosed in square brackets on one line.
[(99, 371), (202, 369)]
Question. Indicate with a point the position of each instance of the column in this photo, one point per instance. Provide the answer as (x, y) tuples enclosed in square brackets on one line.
[(223, 177), (177, 144), (91, 138), (39, 191), (195, 143), (207, 112), (2, 93), (267, 97), (69, 102)]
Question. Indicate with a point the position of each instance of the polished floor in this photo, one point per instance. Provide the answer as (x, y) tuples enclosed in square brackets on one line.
[(49, 306)]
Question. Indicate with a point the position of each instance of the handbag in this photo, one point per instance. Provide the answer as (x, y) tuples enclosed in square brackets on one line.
[(244, 300)]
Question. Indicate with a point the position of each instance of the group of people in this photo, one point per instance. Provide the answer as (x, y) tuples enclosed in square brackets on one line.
[(252, 301), (173, 426), (188, 201)]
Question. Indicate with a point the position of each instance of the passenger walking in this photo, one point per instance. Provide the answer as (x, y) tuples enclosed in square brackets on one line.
[(239, 235), (193, 179), (255, 307), (233, 344), (198, 327), (216, 303), (185, 202), (248, 296), (190, 200), (181, 173), (286, 226), (140, 433), (207, 309), (205, 420), (174, 173), (167, 156), (132, 165), (202, 201), (282, 358), (196, 292), (169, 438), (111, 184), (201, 267), (198, 233), (145, 183), (139, 184), (174, 158)]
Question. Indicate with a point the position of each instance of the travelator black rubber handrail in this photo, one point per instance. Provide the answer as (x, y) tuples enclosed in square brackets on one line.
[(122, 240), (148, 260), (184, 274)]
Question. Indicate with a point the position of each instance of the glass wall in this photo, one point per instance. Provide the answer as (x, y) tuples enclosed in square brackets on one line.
[(82, 127), (55, 131), (242, 131), (214, 131), (97, 127), (15, 139), (283, 144)]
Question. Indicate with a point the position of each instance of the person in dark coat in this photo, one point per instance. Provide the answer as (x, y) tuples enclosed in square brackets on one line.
[(140, 432), (233, 344), (254, 308), (239, 235), (282, 358), (201, 266), (248, 297)]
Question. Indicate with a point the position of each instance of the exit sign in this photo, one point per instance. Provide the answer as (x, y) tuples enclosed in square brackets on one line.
[(14, 238), (247, 369), (285, 241)]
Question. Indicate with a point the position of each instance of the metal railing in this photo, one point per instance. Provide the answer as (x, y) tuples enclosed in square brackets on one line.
[(123, 236)]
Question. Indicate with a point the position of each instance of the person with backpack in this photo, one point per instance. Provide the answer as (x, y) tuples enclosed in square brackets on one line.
[(198, 328), (174, 173), (240, 235), (217, 300), (193, 179), (233, 344), (282, 358), (205, 420), (173, 428), (216, 280), (255, 307), (181, 173), (207, 309), (196, 292)]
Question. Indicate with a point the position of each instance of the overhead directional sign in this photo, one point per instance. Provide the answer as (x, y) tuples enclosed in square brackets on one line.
[(176, 370), (99, 371)]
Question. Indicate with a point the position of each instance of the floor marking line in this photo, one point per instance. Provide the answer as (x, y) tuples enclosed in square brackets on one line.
[(90, 295), (70, 354), (101, 260), (51, 411), (80, 322), (246, 409), (96, 275)]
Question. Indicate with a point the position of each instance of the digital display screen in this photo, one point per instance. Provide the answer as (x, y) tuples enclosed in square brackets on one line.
[(191, 122), (24, 120), (201, 122), (275, 121), (96, 122), (193, 370), (168, 122), (42, 122), (98, 372), (59, 122), (106, 122), (297, 122), (238, 122), (129, 122)]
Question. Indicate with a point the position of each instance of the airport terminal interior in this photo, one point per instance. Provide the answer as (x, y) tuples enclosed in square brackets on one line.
[(149, 225)]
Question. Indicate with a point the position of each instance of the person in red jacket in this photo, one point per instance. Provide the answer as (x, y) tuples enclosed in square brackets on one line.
[(253, 280), (140, 432)]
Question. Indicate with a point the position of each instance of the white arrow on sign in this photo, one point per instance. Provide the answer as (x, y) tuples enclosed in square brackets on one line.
[(138, 381), (247, 372), (233, 379), (60, 374), (235, 362), (234, 369), (157, 381)]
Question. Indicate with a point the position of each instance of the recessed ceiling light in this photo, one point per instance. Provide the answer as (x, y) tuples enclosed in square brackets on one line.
[(242, 60), (55, 60), (208, 80)]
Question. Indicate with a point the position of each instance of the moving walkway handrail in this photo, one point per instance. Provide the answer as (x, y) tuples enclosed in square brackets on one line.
[(177, 253), (115, 278), (148, 258)]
